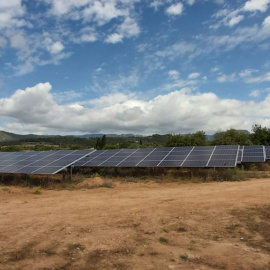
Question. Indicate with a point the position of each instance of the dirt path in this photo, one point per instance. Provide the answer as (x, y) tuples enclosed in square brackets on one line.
[(137, 226)]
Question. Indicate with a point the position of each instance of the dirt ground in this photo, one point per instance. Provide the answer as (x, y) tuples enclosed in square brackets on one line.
[(137, 226)]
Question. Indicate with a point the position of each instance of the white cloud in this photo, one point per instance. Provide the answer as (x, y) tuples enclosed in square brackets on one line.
[(256, 5), (11, 13), (114, 38), (190, 2), (247, 73), (17, 41), (263, 78), (174, 74), (178, 49), (266, 23), (226, 78), (86, 34), (215, 69), (103, 11), (36, 107), (175, 9), (129, 28), (57, 47), (3, 42), (194, 75), (235, 20), (254, 93)]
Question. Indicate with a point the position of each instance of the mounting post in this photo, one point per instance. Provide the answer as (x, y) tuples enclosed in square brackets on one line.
[(70, 175)]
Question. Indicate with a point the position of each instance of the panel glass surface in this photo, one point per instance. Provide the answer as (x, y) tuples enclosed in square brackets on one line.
[(27, 162)]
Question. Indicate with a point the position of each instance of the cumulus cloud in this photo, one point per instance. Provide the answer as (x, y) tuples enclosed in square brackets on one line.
[(51, 35), (235, 20), (254, 93), (175, 9), (114, 38), (226, 78), (56, 47), (11, 13), (263, 78), (86, 34), (174, 74), (247, 73), (190, 2), (256, 5), (194, 75), (129, 27), (118, 112)]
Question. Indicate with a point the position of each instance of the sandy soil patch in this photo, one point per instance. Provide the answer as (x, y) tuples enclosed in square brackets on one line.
[(137, 226)]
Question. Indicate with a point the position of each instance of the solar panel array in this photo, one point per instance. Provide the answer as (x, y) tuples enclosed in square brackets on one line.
[(198, 156), (51, 162), (40, 162)]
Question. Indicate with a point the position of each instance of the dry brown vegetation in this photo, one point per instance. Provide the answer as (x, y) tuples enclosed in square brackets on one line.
[(136, 224)]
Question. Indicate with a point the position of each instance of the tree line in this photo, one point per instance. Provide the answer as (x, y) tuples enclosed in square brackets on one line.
[(259, 136)]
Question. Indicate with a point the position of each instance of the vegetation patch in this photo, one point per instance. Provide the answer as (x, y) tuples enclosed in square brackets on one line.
[(37, 190), (256, 223), (163, 240)]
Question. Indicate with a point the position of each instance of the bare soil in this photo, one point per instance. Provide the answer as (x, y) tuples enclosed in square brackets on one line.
[(137, 226)]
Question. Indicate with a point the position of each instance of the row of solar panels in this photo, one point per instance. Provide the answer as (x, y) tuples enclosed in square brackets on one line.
[(51, 162), (198, 156)]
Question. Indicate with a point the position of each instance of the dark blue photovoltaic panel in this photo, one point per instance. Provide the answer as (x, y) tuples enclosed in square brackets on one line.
[(255, 153), (148, 163), (127, 164), (170, 163), (195, 163), (115, 159), (267, 152), (92, 164), (170, 157), (40, 162), (252, 159), (154, 157), (222, 163), (48, 170), (224, 156), (27, 169), (198, 157), (163, 149), (130, 161)]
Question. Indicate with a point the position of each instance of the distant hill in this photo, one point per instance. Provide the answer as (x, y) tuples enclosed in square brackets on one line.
[(8, 136), (99, 135)]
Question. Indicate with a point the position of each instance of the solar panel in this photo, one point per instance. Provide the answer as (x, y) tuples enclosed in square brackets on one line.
[(267, 152), (49, 162), (198, 156), (254, 153), (224, 156)]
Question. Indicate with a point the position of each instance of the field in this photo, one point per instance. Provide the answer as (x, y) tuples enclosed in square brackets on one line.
[(143, 225)]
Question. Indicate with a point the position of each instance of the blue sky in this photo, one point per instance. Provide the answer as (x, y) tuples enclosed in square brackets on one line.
[(131, 66)]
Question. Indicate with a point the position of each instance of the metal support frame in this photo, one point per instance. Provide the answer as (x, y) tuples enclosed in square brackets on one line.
[(67, 174)]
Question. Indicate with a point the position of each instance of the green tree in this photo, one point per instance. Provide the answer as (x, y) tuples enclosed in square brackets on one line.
[(101, 142), (231, 136), (260, 135), (179, 140), (198, 138)]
